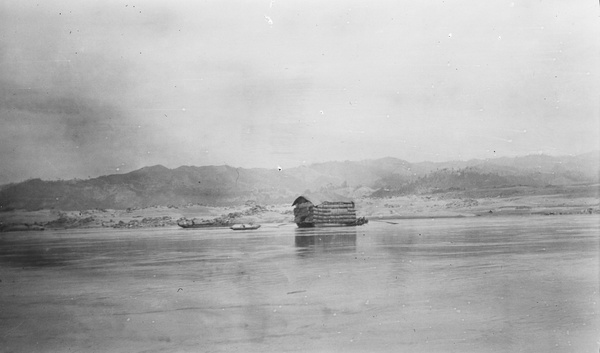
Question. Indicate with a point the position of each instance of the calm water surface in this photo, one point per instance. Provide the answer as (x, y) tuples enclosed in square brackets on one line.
[(490, 284)]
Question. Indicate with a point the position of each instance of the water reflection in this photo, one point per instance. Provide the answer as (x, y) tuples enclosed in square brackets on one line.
[(463, 285), (311, 241)]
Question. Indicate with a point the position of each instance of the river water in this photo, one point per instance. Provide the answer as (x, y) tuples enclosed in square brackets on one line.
[(481, 284)]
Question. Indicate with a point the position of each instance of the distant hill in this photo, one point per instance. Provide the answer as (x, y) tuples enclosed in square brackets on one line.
[(532, 171), (225, 185), (156, 185)]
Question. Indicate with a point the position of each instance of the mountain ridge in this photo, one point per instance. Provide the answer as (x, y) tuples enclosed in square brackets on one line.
[(226, 185)]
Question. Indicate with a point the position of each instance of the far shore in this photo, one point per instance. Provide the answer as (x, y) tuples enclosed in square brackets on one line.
[(374, 209)]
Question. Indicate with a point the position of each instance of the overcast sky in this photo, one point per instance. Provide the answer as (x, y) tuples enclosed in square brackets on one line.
[(89, 88)]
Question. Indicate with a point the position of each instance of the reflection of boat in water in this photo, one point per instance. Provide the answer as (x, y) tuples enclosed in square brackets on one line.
[(245, 226), (336, 212), (325, 239)]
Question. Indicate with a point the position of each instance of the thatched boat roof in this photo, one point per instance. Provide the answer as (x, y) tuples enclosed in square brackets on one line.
[(319, 198)]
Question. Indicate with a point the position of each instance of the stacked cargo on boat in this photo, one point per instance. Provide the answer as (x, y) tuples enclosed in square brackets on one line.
[(312, 211), (334, 212)]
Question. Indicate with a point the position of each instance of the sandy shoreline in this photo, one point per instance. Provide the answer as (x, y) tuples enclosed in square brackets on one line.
[(401, 207)]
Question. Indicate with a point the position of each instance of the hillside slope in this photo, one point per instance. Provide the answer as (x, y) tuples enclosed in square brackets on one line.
[(225, 185)]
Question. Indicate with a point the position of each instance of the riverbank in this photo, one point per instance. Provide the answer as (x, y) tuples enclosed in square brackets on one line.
[(157, 216), (442, 205)]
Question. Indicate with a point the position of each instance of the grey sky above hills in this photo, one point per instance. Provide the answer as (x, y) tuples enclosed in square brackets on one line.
[(96, 88)]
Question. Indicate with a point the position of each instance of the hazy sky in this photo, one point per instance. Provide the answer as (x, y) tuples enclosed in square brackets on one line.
[(98, 87)]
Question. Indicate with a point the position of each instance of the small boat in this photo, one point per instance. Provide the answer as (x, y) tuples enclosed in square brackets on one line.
[(245, 226), (189, 223)]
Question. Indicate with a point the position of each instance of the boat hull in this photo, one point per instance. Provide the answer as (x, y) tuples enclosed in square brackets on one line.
[(195, 226), (323, 225), (245, 227), (357, 222)]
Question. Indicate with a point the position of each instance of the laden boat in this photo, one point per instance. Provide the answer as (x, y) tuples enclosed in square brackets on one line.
[(310, 211), (245, 226), (190, 223)]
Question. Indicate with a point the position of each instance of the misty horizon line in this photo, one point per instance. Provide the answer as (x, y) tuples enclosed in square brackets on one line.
[(118, 172)]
